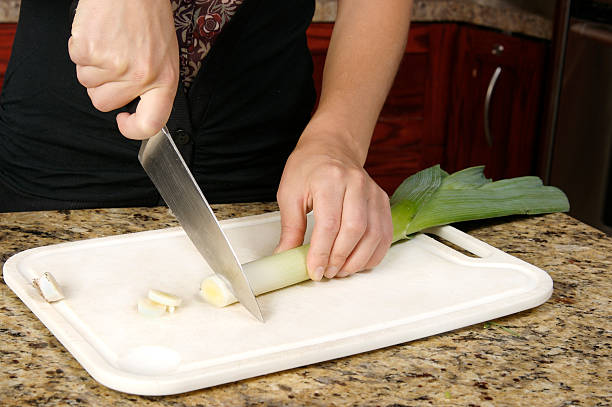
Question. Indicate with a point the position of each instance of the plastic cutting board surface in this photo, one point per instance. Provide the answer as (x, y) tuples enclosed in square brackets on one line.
[(422, 287)]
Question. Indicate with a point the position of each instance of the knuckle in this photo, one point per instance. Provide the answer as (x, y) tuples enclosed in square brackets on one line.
[(338, 259), (355, 226), (290, 230), (282, 193), (359, 178), (321, 255), (335, 172), (150, 126), (81, 50), (76, 52), (352, 267), (375, 230), (117, 65), (329, 224), (318, 255), (100, 103), (82, 78)]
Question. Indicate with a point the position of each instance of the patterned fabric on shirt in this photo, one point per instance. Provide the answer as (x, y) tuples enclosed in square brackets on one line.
[(198, 23)]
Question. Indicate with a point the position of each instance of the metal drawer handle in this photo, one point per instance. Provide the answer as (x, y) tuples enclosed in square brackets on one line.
[(490, 89)]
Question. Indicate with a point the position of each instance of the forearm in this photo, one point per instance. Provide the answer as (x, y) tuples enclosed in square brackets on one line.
[(366, 48)]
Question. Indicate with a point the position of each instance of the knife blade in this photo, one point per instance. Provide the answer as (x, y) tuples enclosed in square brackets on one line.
[(165, 166)]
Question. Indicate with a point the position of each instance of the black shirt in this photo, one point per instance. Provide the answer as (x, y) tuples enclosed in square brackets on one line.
[(235, 128)]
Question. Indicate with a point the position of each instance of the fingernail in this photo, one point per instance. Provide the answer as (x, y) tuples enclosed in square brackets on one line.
[(342, 274), (318, 274), (331, 271)]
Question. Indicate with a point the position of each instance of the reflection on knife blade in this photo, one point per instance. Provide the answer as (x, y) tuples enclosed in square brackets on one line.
[(163, 163)]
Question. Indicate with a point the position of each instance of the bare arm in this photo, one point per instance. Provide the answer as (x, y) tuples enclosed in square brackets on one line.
[(325, 172), (365, 50)]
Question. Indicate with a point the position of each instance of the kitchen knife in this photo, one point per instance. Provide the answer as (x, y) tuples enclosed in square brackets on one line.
[(165, 166)]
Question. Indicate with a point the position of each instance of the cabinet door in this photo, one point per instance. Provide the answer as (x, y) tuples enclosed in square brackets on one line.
[(411, 129), (496, 98), (7, 33)]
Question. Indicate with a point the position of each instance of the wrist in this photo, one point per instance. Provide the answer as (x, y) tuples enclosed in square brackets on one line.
[(336, 137)]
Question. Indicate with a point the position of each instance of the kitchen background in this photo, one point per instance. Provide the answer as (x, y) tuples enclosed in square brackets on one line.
[(520, 86)]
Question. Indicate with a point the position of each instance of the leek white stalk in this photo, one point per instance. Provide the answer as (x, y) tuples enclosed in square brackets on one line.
[(428, 198), (266, 274)]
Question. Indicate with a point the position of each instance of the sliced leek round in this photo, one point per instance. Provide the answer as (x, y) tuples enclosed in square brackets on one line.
[(150, 308), (48, 287), (164, 298)]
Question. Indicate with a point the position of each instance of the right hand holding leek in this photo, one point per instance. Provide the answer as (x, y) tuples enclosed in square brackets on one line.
[(428, 198)]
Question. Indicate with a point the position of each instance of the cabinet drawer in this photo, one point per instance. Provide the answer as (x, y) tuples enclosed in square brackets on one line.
[(497, 95)]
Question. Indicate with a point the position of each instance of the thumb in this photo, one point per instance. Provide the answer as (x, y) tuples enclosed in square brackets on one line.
[(293, 224), (151, 115)]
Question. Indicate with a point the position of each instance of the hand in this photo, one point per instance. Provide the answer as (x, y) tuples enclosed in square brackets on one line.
[(353, 228), (125, 49)]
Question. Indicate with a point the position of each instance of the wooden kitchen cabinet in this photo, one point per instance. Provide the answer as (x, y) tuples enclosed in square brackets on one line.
[(496, 101), (7, 33)]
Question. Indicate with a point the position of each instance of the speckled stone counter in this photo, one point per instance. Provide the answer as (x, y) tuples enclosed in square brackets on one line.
[(557, 354), (496, 14), (9, 11)]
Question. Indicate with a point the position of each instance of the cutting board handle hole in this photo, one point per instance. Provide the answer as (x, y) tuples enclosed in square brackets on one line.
[(453, 246)]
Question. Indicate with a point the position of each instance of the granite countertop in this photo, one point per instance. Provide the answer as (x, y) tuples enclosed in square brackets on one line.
[(557, 354), (498, 14)]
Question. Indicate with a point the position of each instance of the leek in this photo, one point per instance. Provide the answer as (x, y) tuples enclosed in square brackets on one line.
[(428, 198)]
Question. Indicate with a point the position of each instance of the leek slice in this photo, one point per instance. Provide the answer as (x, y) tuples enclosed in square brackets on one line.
[(428, 198)]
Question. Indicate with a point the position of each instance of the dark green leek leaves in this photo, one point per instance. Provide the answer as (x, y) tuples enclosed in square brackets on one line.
[(432, 197)]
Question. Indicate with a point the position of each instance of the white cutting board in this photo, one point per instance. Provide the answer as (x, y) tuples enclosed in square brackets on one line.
[(421, 288)]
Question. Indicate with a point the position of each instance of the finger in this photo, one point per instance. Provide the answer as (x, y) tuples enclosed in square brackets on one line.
[(81, 54), (112, 95), (93, 77), (78, 52), (293, 220), (387, 234), (353, 225), (327, 206), (375, 243), (151, 114), (362, 253)]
